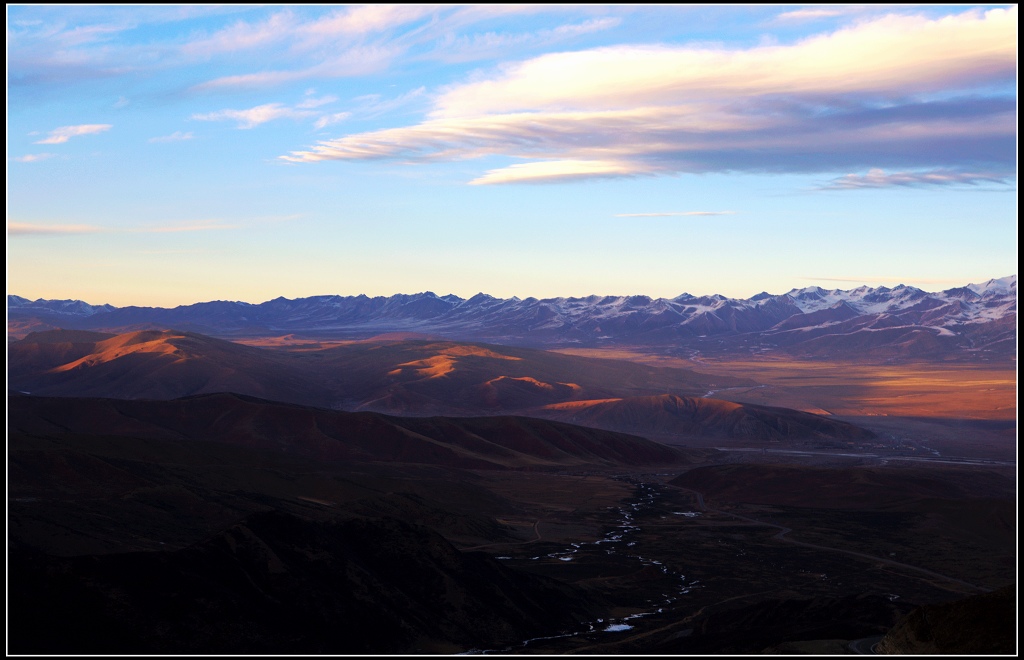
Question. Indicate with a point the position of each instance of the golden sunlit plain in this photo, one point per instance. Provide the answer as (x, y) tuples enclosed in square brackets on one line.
[(953, 390)]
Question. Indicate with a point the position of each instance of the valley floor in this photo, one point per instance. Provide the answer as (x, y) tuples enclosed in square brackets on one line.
[(689, 573)]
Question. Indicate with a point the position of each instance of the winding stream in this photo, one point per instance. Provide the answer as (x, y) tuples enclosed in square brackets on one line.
[(617, 541)]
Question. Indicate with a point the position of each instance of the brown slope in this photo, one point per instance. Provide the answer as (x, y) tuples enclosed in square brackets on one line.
[(499, 442), (405, 377), (419, 377), (45, 350), (422, 377), (668, 415), (152, 364)]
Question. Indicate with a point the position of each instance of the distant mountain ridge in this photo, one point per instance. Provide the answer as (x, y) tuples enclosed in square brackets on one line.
[(977, 319)]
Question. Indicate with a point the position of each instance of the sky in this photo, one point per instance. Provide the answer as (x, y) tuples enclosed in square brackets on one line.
[(176, 154)]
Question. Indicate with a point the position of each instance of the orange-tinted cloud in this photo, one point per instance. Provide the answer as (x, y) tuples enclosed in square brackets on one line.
[(27, 229)]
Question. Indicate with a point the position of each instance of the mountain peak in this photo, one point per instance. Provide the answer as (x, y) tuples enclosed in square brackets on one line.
[(943, 316), (1006, 285)]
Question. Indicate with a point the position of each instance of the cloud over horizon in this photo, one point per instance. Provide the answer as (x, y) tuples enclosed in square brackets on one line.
[(31, 229), (28, 229)]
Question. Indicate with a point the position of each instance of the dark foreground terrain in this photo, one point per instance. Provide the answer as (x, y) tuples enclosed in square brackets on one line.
[(279, 583), (226, 524)]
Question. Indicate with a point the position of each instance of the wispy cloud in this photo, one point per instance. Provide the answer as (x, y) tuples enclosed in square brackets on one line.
[(27, 229), (340, 33), (898, 91), (334, 118), (242, 35), (32, 229), (347, 25), (312, 101), (255, 80), (551, 171), (453, 48), (364, 19), (162, 252), (280, 46), (253, 117), (374, 105), (362, 40), (818, 13), (879, 178), (74, 44), (354, 61), (586, 27), (65, 133), (32, 158), (176, 136), (672, 213)]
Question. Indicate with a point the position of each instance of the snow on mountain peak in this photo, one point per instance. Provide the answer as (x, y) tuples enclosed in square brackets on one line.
[(1003, 285), (611, 316)]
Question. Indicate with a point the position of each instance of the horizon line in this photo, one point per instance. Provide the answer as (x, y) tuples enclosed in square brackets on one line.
[(864, 282)]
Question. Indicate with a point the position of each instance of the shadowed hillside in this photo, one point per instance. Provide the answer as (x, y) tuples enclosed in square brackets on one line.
[(671, 416), (952, 520), (328, 435), (846, 488), (983, 624), (140, 526), (275, 583)]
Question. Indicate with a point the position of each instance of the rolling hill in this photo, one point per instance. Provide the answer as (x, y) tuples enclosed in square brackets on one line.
[(408, 377), (411, 377), (670, 416), (330, 435)]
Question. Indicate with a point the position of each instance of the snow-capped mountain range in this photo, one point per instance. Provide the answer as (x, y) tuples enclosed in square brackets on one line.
[(901, 321)]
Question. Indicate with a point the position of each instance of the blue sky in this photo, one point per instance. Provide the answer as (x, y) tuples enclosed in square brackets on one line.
[(177, 154)]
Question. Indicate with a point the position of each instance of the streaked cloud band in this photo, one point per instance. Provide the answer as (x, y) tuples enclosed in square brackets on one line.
[(879, 178), (898, 91)]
